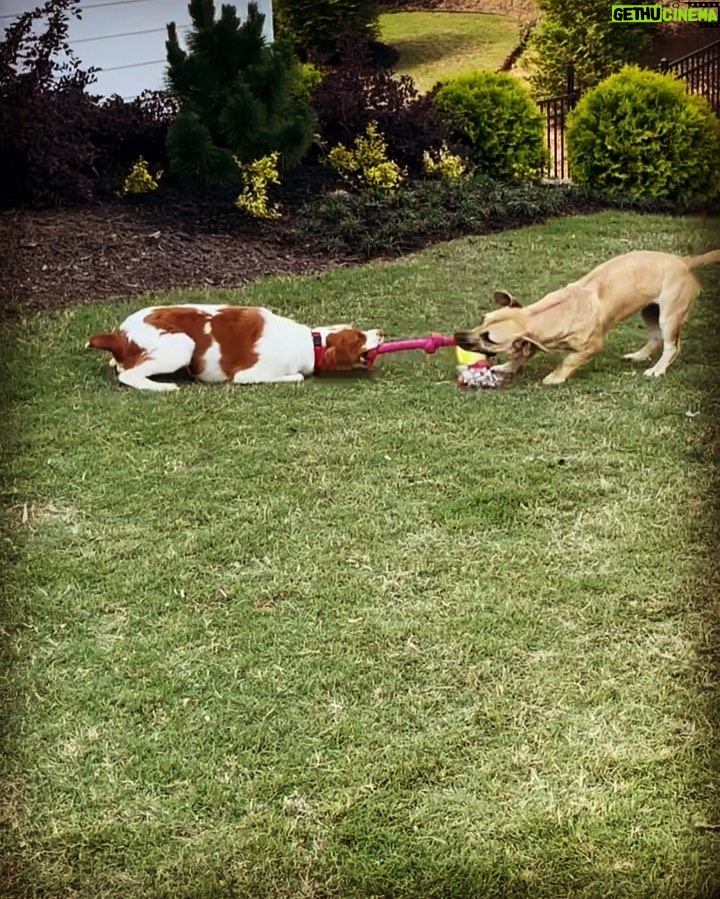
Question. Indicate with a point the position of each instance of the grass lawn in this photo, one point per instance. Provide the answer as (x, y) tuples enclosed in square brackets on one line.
[(436, 46), (374, 637)]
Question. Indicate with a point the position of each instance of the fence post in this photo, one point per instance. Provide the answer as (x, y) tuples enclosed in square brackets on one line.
[(663, 65), (570, 79)]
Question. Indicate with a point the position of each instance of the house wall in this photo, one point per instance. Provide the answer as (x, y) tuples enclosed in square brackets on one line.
[(126, 38)]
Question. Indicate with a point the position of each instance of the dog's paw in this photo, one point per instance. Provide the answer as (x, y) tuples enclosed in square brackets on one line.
[(653, 372), (639, 356), (555, 377), (506, 368)]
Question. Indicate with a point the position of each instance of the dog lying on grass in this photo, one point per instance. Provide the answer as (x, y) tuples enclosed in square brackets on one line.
[(578, 317), (244, 344)]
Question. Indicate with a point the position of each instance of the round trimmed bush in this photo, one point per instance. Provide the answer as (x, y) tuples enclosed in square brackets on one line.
[(499, 121), (641, 135)]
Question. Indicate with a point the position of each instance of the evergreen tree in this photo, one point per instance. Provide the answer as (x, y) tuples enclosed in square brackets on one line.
[(318, 27), (238, 97)]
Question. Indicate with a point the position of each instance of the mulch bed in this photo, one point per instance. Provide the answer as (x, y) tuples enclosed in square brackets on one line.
[(125, 247)]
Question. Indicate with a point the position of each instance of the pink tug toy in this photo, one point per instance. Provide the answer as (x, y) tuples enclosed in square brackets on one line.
[(479, 374), (429, 344)]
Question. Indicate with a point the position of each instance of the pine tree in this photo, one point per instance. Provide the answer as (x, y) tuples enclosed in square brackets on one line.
[(238, 97)]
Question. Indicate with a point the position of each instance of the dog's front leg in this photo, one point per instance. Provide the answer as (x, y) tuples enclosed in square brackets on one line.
[(570, 364)]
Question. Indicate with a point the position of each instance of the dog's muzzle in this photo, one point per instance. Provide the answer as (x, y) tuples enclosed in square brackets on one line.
[(467, 340), (464, 340)]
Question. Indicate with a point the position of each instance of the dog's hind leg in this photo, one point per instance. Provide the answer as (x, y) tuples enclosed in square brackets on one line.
[(172, 352), (672, 321), (251, 376), (651, 315)]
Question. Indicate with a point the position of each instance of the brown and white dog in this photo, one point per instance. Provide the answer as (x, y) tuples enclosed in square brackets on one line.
[(244, 344), (578, 317)]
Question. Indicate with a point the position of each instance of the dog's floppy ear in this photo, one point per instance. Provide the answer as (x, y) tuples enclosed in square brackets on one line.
[(504, 298), (524, 348)]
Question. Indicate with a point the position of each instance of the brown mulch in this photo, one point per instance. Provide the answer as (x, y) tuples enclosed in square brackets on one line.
[(125, 247)]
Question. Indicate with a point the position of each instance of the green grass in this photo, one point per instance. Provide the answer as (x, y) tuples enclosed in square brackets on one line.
[(437, 46), (375, 637)]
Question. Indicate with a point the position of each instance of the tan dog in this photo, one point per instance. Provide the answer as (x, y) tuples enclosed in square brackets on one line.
[(578, 317)]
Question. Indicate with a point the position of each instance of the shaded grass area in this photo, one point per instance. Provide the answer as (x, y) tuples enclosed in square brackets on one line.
[(377, 637), (437, 46)]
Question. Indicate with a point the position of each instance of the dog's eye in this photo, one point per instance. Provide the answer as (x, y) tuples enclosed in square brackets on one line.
[(486, 337)]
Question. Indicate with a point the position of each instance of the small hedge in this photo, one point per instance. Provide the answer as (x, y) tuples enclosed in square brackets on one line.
[(366, 224), (640, 135), (495, 116)]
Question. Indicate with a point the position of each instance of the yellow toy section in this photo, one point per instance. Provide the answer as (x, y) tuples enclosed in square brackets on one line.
[(465, 357)]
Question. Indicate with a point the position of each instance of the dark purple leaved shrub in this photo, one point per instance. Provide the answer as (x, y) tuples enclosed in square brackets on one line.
[(58, 142), (358, 92)]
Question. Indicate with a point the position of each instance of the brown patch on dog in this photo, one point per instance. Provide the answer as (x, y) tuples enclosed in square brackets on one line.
[(237, 330), (343, 350), (126, 352), (181, 320)]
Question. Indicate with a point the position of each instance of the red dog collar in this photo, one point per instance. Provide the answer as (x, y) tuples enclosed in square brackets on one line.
[(318, 349)]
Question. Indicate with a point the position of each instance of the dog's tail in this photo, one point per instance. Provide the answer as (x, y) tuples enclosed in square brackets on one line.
[(705, 259)]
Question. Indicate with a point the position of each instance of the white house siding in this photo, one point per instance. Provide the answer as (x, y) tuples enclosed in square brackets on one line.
[(126, 38)]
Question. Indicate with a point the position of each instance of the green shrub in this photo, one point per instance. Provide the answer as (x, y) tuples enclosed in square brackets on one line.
[(238, 97), (497, 119), (139, 180), (641, 135), (443, 164), (257, 176), (581, 33), (367, 165), (317, 27), (310, 77)]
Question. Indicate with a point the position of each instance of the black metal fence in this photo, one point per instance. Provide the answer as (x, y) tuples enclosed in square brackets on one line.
[(555, 110), (700, 71)]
